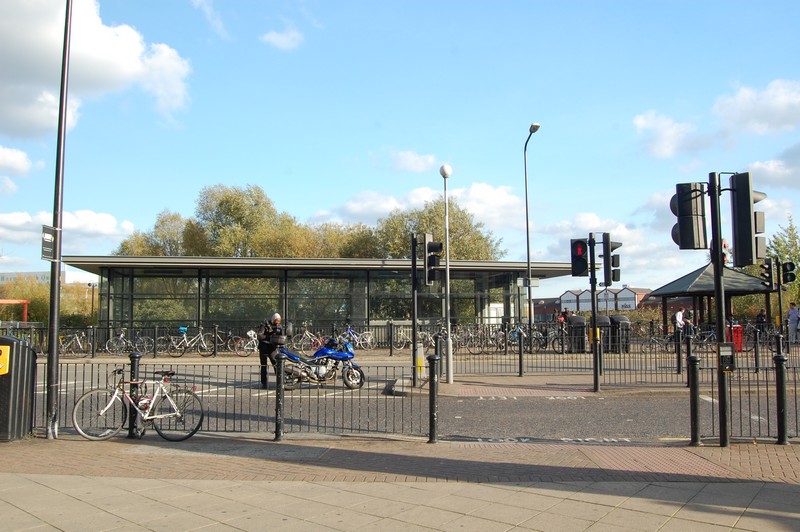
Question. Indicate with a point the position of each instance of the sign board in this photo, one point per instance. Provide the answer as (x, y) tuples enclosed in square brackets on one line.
[(48, 242), (524, 281), (726, 357), (5, 355)]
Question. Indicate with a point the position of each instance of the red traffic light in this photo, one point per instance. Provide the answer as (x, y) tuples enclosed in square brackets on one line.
[(579, 248)]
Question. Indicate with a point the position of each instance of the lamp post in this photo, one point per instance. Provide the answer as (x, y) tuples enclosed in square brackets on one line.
[(92, 286), (446, 170), (533, 129)]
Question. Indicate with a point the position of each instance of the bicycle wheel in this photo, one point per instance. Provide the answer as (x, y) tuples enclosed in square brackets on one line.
[(368, 340), (399, 341), (180, 424), (206, 345), (144, 345), (116, 345), (99, 414)]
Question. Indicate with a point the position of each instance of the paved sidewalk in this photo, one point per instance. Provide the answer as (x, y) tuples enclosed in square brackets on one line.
[(236, 481)]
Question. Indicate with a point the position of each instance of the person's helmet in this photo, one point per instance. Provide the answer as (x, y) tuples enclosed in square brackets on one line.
[(275, 317)]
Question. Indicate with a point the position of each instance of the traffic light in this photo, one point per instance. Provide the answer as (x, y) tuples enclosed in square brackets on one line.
[(747, 246), (788, 272), (579, 248), (768, 274), (610, 261), (689, 205), (432, 250)]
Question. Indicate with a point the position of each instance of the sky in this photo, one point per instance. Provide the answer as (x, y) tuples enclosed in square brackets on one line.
[(344, 111)]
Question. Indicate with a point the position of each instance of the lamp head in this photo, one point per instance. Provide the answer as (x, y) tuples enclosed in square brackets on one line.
[(534, 128), (446, 171)]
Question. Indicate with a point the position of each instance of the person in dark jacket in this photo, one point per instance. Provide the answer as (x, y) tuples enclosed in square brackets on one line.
[(266, 349)]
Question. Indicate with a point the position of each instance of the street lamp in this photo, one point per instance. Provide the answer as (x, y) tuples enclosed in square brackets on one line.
[(533, 129), (446, 170), (92, 286)]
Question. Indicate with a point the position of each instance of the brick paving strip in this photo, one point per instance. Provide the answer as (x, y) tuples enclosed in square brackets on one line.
[(373, 459)]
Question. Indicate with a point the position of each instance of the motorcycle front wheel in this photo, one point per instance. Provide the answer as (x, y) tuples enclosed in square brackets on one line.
[(353, 377)]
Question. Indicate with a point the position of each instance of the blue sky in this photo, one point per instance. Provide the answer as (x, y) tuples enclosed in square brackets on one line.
[(344, 111)]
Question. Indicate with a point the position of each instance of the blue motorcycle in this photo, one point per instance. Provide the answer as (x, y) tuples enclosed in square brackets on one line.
[(323, 366)]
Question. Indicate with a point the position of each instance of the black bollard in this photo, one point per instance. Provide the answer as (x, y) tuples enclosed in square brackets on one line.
[(694, 398), (279, 395), (135, 357), (780, 393), (433, 396)]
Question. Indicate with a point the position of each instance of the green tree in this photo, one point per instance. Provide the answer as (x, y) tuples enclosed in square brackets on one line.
[(468, 239), (785, 246)]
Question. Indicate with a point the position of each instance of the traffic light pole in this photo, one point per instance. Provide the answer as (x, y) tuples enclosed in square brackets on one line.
[(719, 300), (593, 323), (414, 289)]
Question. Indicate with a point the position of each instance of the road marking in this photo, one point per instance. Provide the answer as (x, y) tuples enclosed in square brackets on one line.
[(496, 398)]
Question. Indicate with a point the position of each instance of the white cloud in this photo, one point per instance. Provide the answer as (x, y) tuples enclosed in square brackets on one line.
[(103, 58), (288, 39), (81, 229), (773, 110), (212, 16), (409, 161), (14, 161), (665, 137)]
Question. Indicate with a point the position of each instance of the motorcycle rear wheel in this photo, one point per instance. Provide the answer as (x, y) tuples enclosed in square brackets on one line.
[(353, 377)]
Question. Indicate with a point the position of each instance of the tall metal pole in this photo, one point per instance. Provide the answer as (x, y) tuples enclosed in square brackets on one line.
[(719, 300), (55, 265), (446, 171), (533, 129)]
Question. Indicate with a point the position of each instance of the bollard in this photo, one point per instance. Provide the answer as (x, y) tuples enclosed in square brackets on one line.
[(780, 394), (135, 357), (694, 398), (279, 395), (433, 396)]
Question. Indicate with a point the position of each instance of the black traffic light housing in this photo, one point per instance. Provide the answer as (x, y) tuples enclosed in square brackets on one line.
[(579, 249), (787, 272), (610, 261), (748, 247), (432, 259), (689, 205), (768, 274)]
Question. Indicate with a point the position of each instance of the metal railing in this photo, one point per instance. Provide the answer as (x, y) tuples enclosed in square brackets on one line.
[(235, 402)]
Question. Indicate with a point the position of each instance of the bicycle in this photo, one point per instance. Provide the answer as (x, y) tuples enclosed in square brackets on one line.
[(74, 344), (175, 412), (176, 346), (120, 344), (227, 342), (307, 342), (248, 345), (363, 340)]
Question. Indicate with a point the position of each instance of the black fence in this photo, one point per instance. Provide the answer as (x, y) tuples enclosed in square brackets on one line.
[(235, 402)]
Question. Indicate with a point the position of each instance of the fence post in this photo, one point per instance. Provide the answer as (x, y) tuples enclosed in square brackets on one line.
[(521, 346), (433, 396), (391, 338), (92, 349), (132, 413), (155, 341), (216, 335), (280, 379), (757, 348), (780, 393), (678, 359), (694, 397)]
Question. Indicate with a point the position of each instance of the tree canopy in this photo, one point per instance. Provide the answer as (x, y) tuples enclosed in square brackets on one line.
[(243, 222)]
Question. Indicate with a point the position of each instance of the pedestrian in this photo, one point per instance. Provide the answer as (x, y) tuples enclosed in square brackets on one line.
[(677, 323), (793, 316), (266, 349), (761, 322)]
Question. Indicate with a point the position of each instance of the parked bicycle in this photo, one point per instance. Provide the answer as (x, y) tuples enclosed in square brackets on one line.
[(222, 343), (121, 344), (244, 346), (176, 412), (307, 342), (176, 346), (74, 344), (363, 340)]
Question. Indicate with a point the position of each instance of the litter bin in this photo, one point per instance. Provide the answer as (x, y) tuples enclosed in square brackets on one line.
[(17, 388), (576, 332), (733, 333), (620, 333)]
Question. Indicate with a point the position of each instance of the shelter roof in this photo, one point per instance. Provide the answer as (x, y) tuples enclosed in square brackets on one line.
[(701, 283)]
